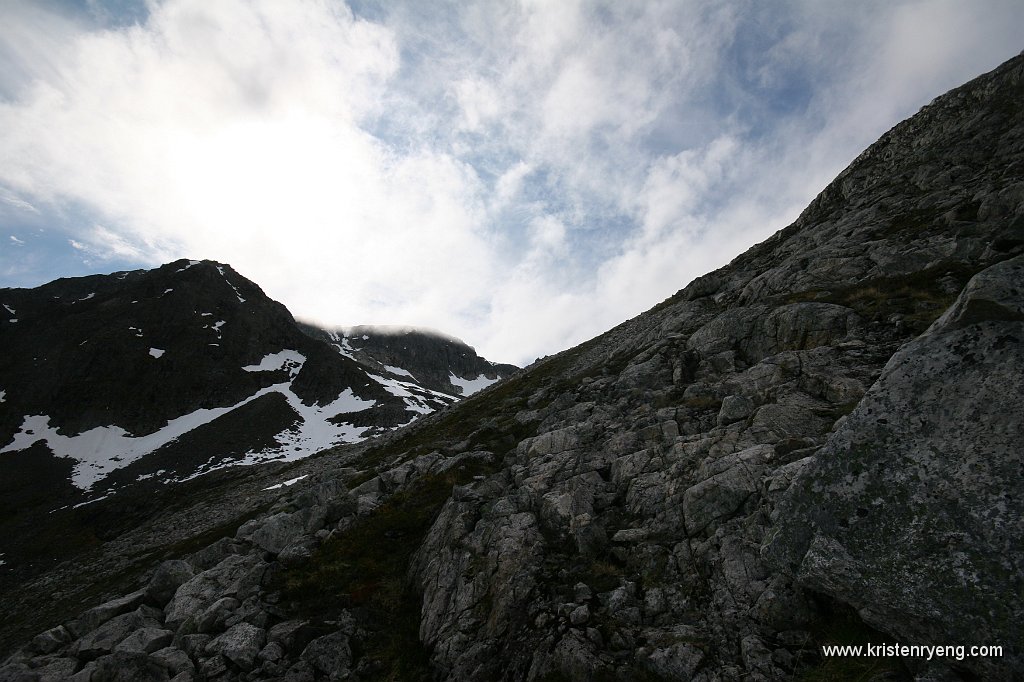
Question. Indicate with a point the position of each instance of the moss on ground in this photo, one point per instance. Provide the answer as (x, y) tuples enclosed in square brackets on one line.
[(365, 570), (920, 298), (842, 626)]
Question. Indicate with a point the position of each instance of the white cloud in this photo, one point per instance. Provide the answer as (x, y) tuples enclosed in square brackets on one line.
[(522, 175), (11, 200), (16, 241)]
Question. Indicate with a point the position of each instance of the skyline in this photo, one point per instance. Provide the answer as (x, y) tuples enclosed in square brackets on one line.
[(522, 176)]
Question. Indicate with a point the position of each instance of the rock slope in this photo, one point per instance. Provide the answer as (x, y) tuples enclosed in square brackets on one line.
[(813, 444)]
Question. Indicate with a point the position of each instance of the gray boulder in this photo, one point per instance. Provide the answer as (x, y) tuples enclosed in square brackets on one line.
[(166, 579), (51, 640), (330, 654), (106, 637), (240, 645), (273, 533), (175, 660), (123, 666), (145, 640), (96, 616), (912, 510), (236, 576)]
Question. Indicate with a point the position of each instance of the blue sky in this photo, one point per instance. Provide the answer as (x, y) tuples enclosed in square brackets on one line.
[(523, 175)]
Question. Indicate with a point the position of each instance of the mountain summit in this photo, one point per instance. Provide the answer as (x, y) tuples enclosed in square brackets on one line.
[(817, 444), (169, 373)]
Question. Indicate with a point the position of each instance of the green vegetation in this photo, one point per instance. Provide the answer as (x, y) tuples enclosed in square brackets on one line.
[(703, 402), (365, 568), (844, 626), (919, 297)]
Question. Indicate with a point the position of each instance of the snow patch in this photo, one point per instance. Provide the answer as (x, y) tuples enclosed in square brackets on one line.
[(471, 386), (166, 291), (190, 264), (215, 326), (85, 298), (103, 449), (285, 484), (220, 269), (399, 371), (416, 398), (344, 347), (3, 394), (157, 352), (95, 499), (291, 360), (10, 309)]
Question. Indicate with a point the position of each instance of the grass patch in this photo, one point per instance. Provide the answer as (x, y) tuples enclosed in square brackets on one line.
[(919, 297), (844, 626), (211, 535), (365, 569), (702, 402), (602, 575)]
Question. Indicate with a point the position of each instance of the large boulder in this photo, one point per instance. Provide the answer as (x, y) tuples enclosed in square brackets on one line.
[(106, 637), (167, 578), (240, 644), (912, 512), (237, 576)]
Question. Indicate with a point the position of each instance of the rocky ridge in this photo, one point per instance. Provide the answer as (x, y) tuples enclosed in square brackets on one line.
[(823, 433), (434, 360)]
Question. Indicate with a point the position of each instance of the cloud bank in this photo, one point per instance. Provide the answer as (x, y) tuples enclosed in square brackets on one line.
[(521, 175)]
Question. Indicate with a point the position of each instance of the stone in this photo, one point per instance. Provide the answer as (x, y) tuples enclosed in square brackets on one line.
[(676, 662), (240, 644), (928, 566), (290, 632), (166, 579), (124, 666), (212, 666), (271, 652), (213, 619), (330, 654), (734, 408), (106, 637), (175, 660), (193, 645), (580, 616), (52, 668), (51, 640), (276, 532), (145, 640), (720, 496), (235, 576), (298, 550), (94, 617)]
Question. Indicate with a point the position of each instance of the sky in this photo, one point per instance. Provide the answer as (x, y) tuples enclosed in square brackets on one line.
[(522, 175)]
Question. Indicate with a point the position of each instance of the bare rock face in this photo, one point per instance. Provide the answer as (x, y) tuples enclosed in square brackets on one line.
[(913, 511)]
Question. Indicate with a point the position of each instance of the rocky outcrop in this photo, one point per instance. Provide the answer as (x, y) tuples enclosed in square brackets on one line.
[(914, 508), (821, 434)]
